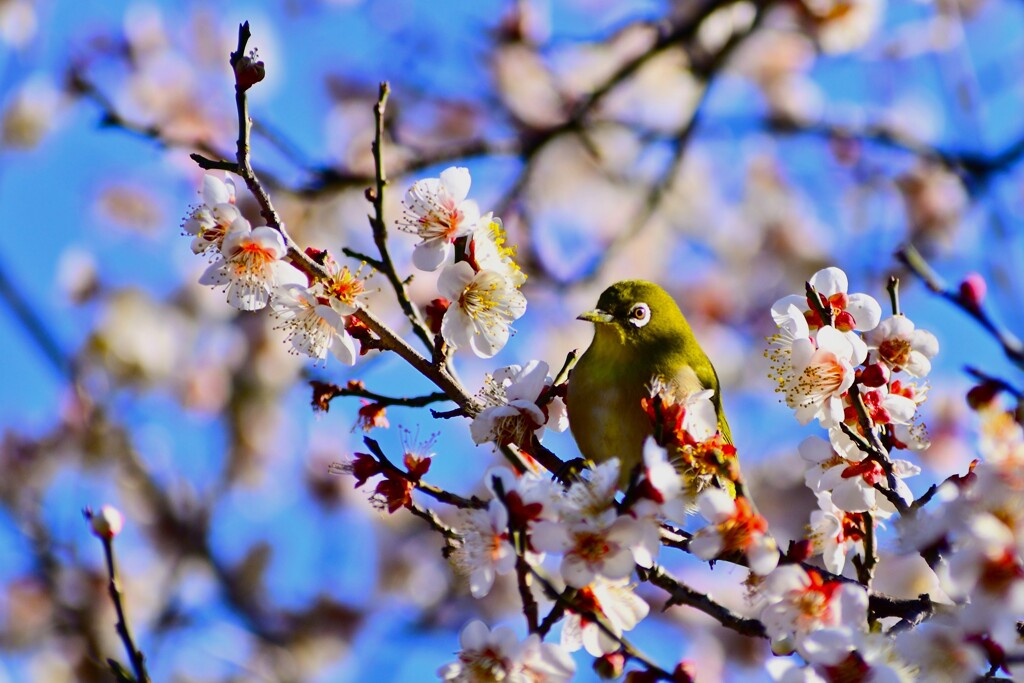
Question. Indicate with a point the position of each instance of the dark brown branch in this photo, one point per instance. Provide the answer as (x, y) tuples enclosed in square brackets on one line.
[(680, 594), (325, 392)]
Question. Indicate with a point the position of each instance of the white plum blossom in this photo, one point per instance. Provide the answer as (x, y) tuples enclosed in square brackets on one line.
[(590, 550), (986, 566), (209, 222), (489, 250), (851, 477), (900, 346), (621, 608), (483, 306), (818, 374), (734, 526), (820, 618), (529, 496), (513, 412), (437, 210), (488, 656), (486, 550), (850, 313), (835, 533), (592, 497), (313, 327), (250, 266), (660, 484)]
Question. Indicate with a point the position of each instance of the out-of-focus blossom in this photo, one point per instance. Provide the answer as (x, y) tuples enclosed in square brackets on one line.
[(616, 603), (734, 526), (512, 413), (251, 265), (486, 550), (940, 651), (483, 306), (106, 522), (498, 655), (874, 660), (18, 23), (436, 209), (900, 346), (841, 26), (30, 114), (312, 327), (935, 199)]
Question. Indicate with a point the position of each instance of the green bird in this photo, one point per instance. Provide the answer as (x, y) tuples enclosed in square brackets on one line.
[(640, 336)]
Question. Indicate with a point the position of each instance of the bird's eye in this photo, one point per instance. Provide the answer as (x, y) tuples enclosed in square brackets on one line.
[(640, 315)]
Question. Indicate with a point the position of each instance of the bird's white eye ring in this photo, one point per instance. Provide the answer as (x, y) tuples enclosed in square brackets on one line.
[(640, 315)]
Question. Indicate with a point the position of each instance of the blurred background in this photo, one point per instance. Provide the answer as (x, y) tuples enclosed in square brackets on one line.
[(726, 150)]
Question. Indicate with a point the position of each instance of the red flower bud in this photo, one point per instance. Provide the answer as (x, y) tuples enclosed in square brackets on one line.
[(875, 375), (799, 551), (435, 313), (249, 71), (982, 395), (972, 290), (684, 672), (609, 667)]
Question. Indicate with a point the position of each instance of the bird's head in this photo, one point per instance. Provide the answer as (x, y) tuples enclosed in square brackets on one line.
[(636, 313)]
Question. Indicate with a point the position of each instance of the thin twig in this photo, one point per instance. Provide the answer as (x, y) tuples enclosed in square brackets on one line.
[(438, 494), (380, 228), (135, 656), (325, 392), (912, 259)]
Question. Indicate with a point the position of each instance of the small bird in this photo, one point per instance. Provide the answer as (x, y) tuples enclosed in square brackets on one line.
[(640, 337)]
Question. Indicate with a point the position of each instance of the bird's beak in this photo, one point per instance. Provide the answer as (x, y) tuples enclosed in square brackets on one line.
[(596, 316)]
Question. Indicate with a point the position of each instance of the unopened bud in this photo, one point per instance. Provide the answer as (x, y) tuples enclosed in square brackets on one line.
[(983, 394), (800, 551), (106, 522), (249, 71), (684, 672), (435, 314), (875, 375), (972, 290), (609, 667)]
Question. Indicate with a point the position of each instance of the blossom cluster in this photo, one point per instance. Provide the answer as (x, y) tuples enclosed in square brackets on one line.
[(479, 281), (582, 532), (249, 264), (836, 361), (690, 465)]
